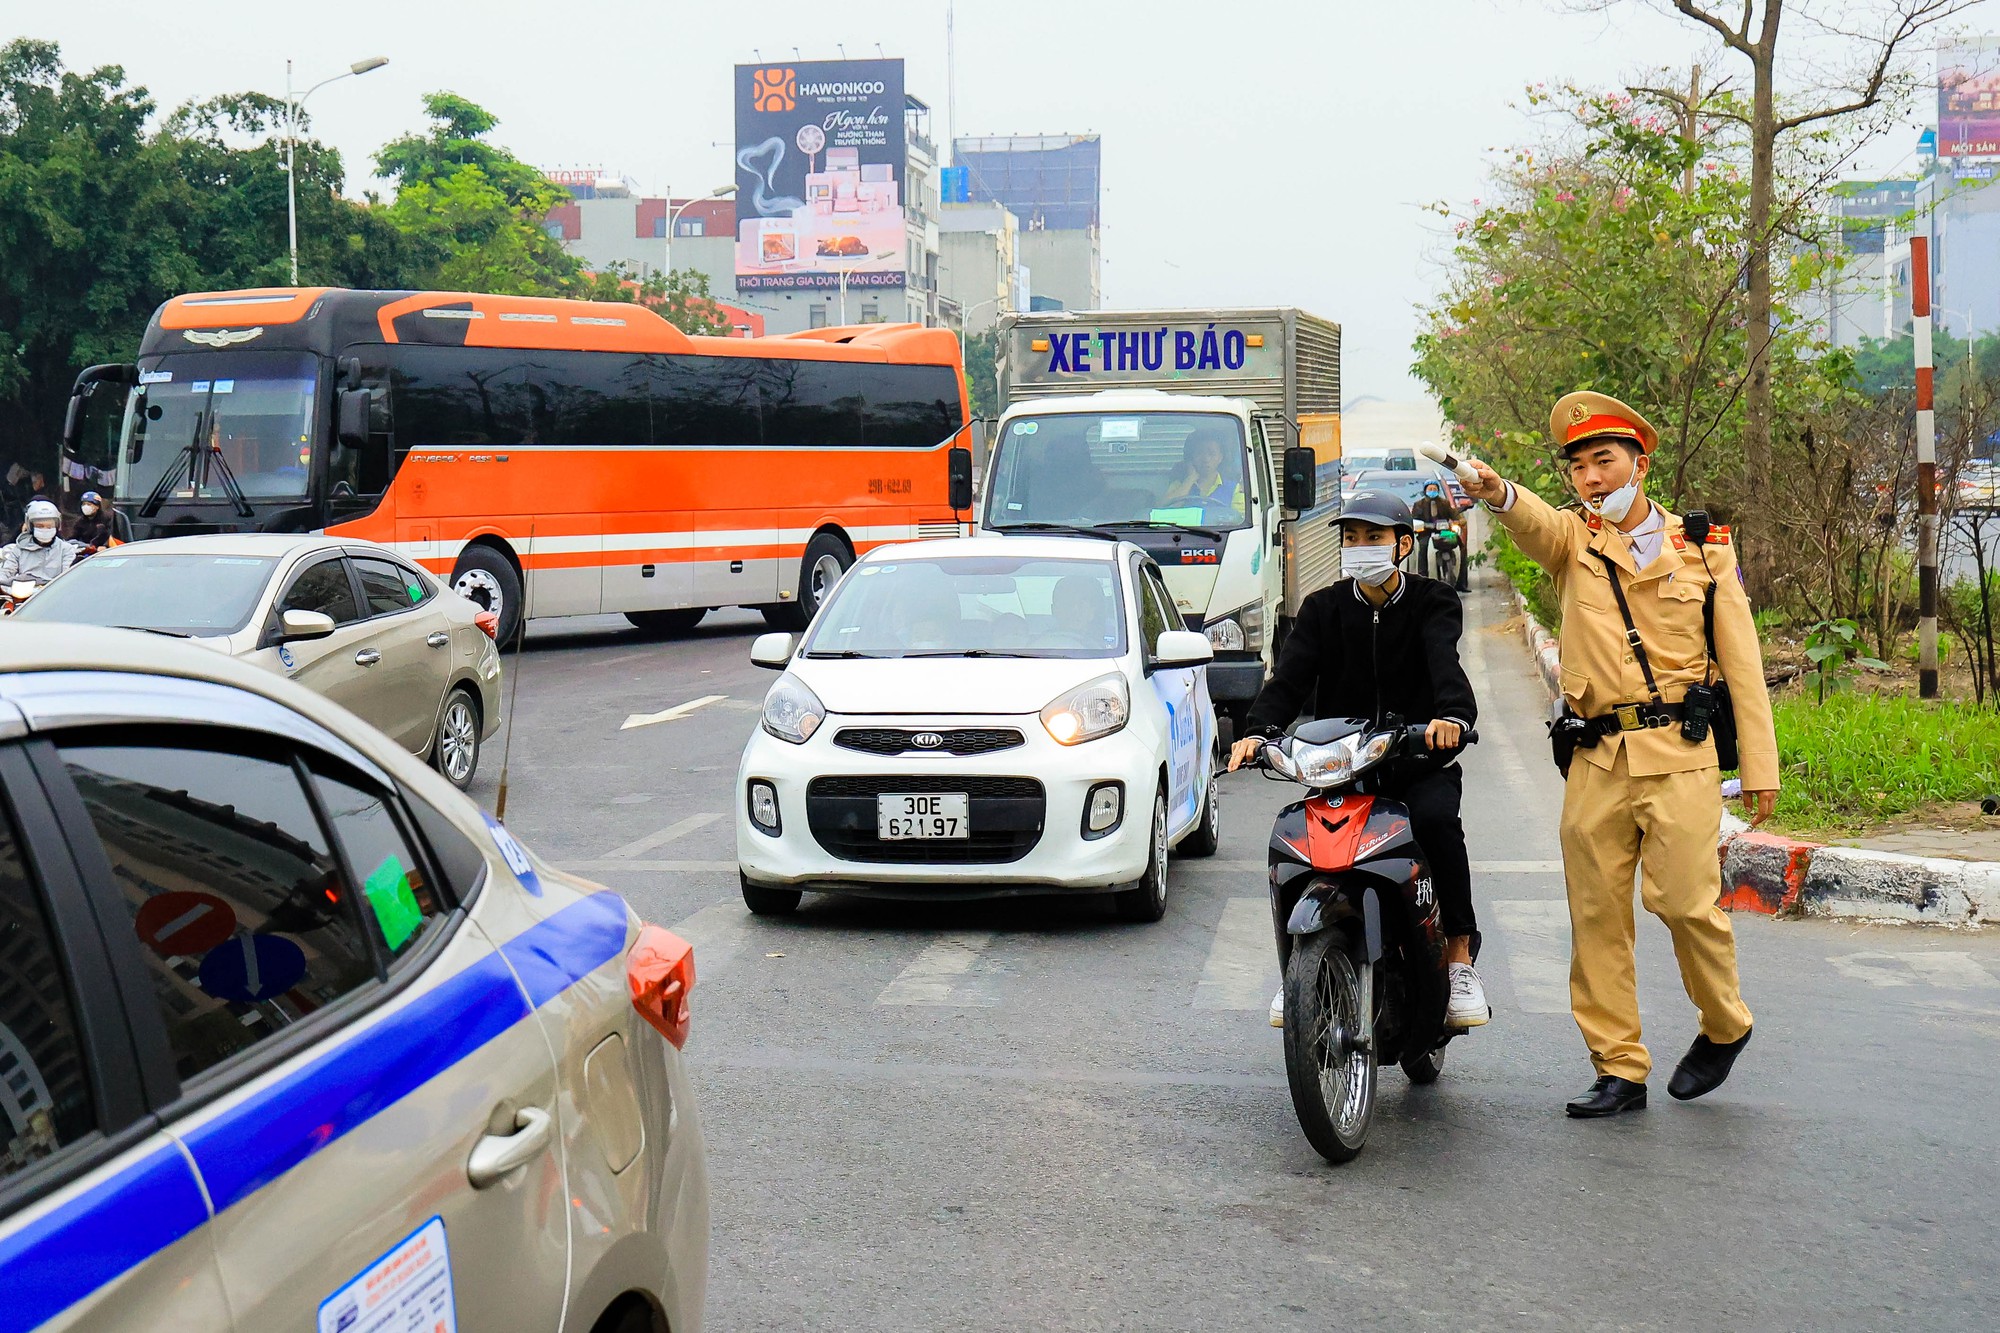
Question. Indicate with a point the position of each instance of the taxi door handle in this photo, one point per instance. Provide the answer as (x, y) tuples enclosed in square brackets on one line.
[(439, 639), (497, 1154), (367, 657)]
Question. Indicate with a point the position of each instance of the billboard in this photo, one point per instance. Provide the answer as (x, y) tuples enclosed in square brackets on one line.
[(1969, 98), (819, 175)]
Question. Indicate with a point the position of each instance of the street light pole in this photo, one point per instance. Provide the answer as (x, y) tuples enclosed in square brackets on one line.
[(293, 107), (719, 192)]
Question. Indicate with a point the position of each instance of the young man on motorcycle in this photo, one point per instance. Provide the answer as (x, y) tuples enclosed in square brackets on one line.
[(1383, 641), (41, 553), (1434, 510), (98, 525)]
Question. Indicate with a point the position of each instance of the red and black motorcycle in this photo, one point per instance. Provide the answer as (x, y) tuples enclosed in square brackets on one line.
[(1359, 937)]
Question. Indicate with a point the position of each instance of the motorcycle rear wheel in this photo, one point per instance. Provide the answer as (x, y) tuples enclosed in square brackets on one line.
[(1424, 1068), (1330, 1066)]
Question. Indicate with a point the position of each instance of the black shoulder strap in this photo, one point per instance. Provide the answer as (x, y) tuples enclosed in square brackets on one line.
[(1631, 630), (1695, 524)]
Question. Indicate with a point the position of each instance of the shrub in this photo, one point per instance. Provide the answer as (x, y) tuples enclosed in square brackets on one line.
[(1860, 757)]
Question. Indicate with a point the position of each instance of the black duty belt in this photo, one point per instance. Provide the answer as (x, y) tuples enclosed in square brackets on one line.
[(1634, 717)]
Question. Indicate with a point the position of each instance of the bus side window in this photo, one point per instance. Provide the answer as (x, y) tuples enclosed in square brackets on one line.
[(915, 407), (811, 404), (711, 401)]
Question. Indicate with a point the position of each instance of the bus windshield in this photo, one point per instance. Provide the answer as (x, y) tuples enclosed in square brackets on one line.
[(1184, 469), (218, 426)]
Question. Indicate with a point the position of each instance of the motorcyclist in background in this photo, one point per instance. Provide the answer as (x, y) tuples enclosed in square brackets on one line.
[(41, 553), (1434, 510), (98, 526)]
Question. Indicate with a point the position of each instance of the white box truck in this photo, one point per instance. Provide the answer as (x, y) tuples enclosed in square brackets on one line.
[(1209, 437)]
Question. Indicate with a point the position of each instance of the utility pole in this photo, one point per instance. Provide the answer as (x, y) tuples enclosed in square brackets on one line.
[(1927, 499)]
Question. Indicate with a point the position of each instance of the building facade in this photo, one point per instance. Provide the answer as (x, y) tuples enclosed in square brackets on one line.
[(1052, 184)]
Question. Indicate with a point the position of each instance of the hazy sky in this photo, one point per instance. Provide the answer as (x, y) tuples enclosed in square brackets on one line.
[(1255, 151)]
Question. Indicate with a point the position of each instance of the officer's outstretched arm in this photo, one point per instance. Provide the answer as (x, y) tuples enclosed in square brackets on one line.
[(1548, 536), (1742, 661)]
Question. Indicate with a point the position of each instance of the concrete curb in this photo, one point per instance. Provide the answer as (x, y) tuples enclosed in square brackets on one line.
[(1780, 876)]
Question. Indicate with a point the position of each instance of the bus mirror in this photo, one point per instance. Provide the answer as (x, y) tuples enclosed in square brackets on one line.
[(1301, 478), (959, 466), (353, 424), (73, 424)]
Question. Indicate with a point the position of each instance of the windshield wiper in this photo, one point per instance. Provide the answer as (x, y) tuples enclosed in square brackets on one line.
[(967, 652), (1162, 525), (183, 461), (234, 491), (848, 653), (150, 629), (1075, 530)]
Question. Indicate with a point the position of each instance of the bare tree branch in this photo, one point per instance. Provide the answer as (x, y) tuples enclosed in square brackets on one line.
[(1734, 40), (1914, 18)]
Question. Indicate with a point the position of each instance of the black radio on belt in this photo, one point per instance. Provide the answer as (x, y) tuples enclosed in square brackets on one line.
[(1698, 706)]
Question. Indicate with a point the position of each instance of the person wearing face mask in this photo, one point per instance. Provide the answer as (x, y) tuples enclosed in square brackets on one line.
[(41, 553), (1383, 641), (1434, 511), (97, 526), (1642, 799)]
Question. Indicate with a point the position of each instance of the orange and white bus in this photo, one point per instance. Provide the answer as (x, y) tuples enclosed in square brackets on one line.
[(546, 457)]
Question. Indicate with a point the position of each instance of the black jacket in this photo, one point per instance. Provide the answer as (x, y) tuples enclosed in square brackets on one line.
[(1434, 510), (1346, 658)]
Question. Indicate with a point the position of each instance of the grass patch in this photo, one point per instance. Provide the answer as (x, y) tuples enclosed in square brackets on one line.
[(1537, 589), (1860, 758)]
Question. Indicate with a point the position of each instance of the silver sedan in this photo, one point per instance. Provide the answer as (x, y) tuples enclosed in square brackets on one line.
[(348, 619)]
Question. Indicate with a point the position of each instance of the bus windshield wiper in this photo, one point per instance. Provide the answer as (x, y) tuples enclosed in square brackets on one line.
[(1073, 529), (1162, 525), (229, 485), (183, 462)]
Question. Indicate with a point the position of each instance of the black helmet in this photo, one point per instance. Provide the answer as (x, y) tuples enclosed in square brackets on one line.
[(1380, 508)]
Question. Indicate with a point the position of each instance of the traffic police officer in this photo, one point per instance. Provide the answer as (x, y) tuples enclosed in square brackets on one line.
[(1643, 799)]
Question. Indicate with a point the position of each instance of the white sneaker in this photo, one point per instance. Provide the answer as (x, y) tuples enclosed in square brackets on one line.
[(1468, 999), (1278, 1010)]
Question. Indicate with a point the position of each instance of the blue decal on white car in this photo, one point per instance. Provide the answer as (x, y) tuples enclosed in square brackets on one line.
[(515, 855)]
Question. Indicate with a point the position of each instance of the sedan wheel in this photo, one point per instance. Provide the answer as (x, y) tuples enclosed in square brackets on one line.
[(456, 750)]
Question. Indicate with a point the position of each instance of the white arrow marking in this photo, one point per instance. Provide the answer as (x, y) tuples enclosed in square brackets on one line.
[(674, 714)]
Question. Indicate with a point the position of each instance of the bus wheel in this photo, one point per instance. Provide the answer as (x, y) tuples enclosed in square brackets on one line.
[(667, 622), (825, 561), (485, 577)]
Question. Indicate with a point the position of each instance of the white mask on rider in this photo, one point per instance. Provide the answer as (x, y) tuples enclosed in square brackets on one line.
[(44, 535), (1370, 565), (89, 510)]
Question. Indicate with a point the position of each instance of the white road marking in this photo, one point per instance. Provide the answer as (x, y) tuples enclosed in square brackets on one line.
[(591, 869), (673, 714), (1952, 971), (1242, 967), (1535, 934), (665, 835), (717, 934), (940, 975)]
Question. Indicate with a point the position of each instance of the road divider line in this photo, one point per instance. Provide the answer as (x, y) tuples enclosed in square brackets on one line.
[(1242, 967), (1535, 935), (660, 837), (942, 975), (674, 714), (717, 934)]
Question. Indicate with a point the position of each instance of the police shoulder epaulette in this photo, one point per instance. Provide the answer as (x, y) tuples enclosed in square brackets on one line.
[(1679, 540), (1718, 535)]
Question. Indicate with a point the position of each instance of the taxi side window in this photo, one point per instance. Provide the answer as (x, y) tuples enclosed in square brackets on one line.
[(398, 901), (388, 586), (44, 1094), (324, 588), (242, 913)]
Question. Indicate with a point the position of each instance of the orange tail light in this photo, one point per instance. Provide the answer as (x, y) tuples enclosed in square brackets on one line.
[(488, 621), (660, 971)]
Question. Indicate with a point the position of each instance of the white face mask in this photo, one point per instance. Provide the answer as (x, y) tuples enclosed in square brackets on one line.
[(1614, 507), (90, 509), (43, 536), (1371, 565)]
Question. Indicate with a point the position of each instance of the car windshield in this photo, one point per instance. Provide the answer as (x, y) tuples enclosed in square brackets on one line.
[(197, 595), (203, 420), (1184, 469), (999, 605)]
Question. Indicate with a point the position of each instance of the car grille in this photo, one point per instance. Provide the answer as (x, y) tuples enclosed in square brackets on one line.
[(951, 740), (1006, 815)]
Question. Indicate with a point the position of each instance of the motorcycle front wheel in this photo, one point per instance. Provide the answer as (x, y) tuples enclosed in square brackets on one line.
[(1329, 1061)]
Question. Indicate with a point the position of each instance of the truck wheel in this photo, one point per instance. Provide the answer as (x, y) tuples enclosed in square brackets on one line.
[(826, 559), (486, 578)]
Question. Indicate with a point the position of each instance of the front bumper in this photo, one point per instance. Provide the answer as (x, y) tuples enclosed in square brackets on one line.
[(1235, 678), (1061, 858)]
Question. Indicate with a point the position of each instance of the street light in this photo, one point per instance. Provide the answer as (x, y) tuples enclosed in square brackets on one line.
[(294, 105), (719, 192)]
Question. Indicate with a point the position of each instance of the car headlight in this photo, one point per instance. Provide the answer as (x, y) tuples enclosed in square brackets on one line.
[(791, 711), (1093, 709)]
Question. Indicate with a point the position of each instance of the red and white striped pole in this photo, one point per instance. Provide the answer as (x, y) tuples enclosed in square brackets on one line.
[(1927, 497)]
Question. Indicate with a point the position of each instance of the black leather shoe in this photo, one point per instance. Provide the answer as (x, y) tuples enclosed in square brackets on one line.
[(1704, 1067), (1608, 1096)]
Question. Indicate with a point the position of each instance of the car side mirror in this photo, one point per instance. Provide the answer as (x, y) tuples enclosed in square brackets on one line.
[(1301, 478), (301, 625), (1182, 648), (771, 651), (958, 466), (353, 418)]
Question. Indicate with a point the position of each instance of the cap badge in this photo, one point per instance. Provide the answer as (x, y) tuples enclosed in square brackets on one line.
[(1578, 414)]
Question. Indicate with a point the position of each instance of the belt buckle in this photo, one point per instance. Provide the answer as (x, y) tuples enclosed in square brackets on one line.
[(1628, 717)]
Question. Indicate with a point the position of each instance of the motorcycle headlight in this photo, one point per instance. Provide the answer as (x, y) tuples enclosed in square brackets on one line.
[(1093, 709), (1329, 765), (791, 711)]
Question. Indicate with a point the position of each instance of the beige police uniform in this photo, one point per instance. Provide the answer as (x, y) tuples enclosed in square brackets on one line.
[(1645, 802)]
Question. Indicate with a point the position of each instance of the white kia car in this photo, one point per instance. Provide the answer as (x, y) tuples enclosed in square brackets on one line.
[(982, 717)]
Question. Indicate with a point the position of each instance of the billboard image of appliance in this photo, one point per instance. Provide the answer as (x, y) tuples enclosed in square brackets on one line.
[(820, 156), (1969, 98)]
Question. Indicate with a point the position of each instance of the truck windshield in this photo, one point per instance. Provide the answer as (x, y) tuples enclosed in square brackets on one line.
[(216, 425), (1143, 468)]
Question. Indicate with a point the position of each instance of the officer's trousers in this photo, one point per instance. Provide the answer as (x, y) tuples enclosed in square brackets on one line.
[(1661, 829)]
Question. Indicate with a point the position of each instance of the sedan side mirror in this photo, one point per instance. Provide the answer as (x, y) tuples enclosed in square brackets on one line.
[(1182, 648), (771, 651), (301, 625)]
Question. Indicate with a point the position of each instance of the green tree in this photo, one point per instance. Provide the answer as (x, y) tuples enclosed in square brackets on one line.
[(982, 360), (681, 297)]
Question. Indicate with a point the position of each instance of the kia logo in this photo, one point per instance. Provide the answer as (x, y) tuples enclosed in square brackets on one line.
[(927, 740)]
